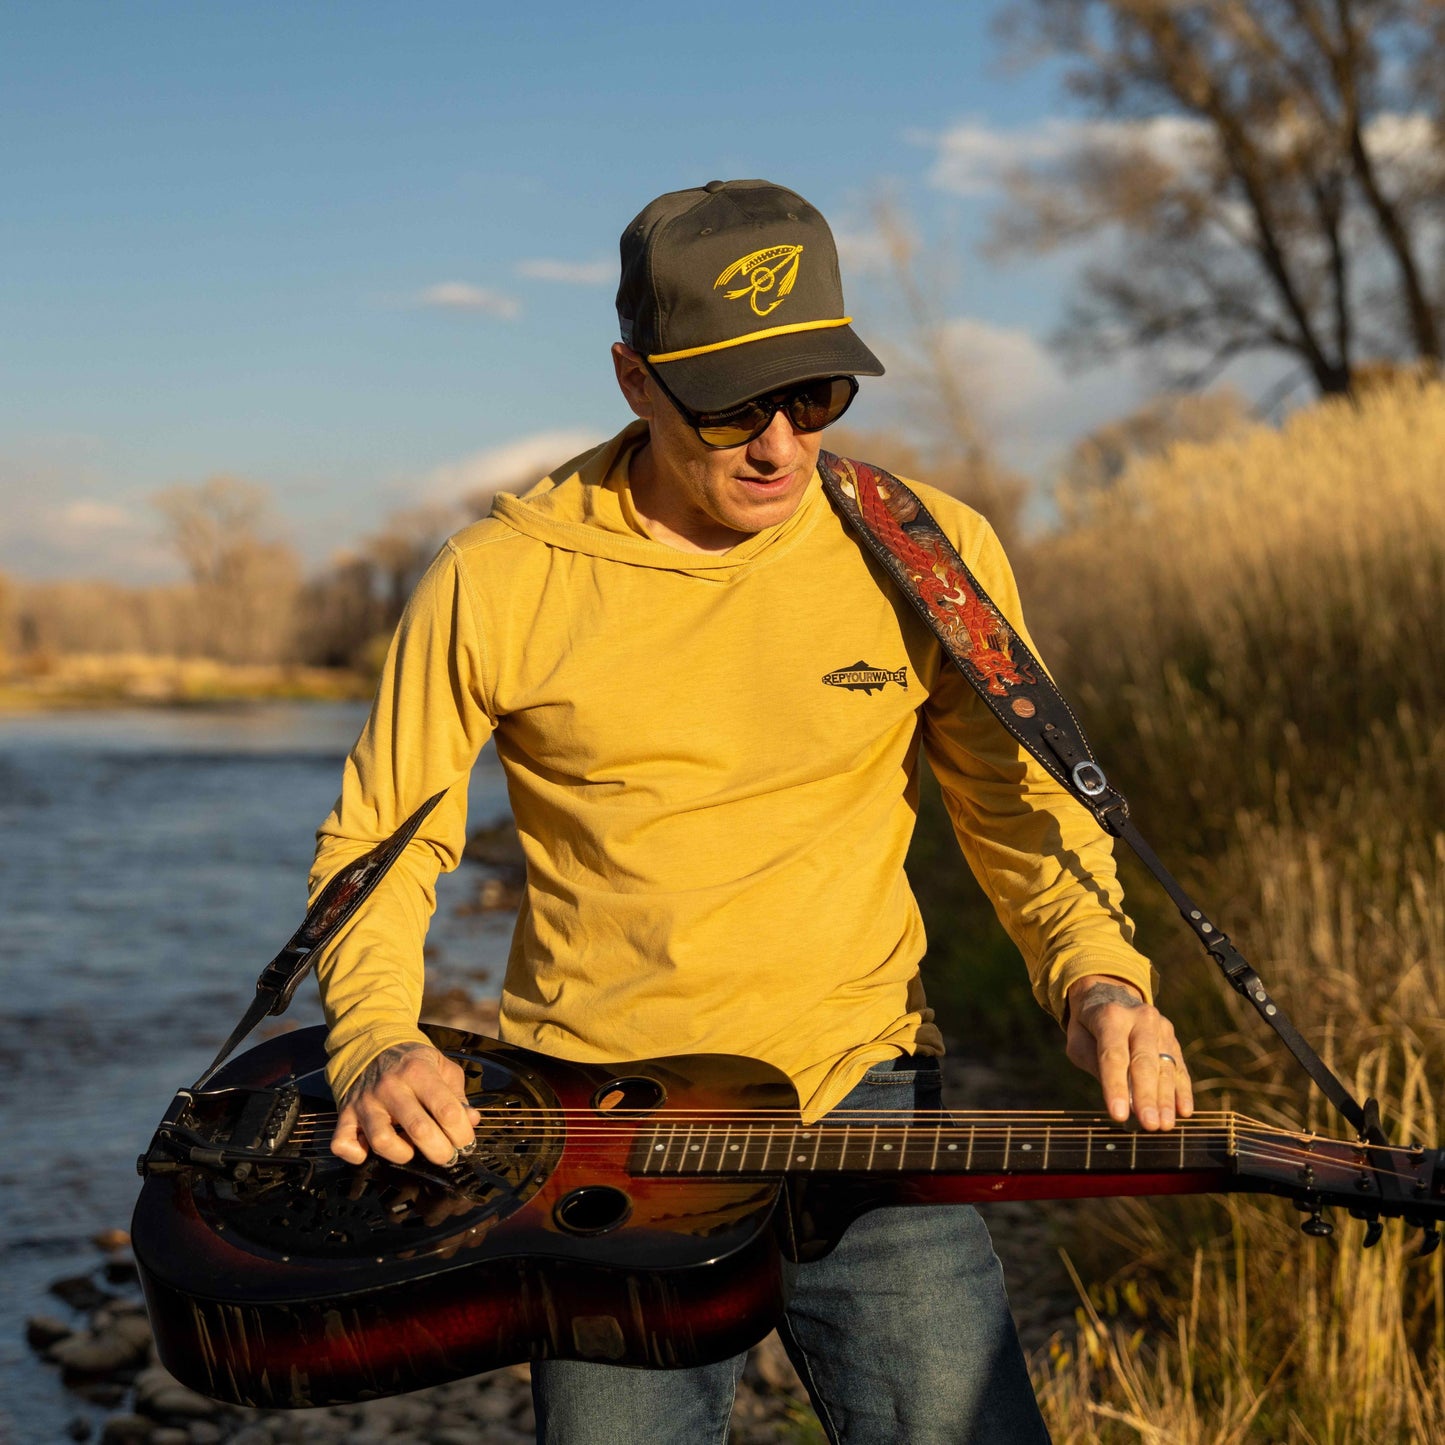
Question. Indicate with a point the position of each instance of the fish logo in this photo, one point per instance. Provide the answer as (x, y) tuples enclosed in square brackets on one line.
[(862, 677), (774, 268)]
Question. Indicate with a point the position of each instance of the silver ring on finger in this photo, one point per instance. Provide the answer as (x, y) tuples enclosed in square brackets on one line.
[(1169, 1057)]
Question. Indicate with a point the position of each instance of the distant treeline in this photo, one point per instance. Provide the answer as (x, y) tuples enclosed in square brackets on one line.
[(247, 600)]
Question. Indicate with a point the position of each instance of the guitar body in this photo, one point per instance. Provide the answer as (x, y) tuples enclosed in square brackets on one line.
[(278, 1290), (646, 1213)]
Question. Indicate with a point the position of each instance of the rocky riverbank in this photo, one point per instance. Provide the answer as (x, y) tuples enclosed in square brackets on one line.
[(100, 1341)]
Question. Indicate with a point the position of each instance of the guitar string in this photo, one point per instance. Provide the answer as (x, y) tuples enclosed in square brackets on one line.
[(1137, 1168), (1162, 1146), (1058, 1124)]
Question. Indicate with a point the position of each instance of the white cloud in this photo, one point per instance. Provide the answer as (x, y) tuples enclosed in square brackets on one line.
[(45, 534), (974, 159), (511, 467), (89, 514), (861, 253), (463, 296), (572, 273), (1026, 405)]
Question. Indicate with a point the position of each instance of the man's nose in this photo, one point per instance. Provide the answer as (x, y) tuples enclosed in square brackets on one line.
[(776, 445)]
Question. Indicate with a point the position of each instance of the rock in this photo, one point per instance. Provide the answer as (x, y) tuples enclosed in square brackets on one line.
[(252, 1435), (453, 1435), (127, 1430), (80, 1292), (170, 1435), (124, 1343), (158, 1392), (203, 1432), (492, 1406), (42, 1331), (99, 1392), (497, 845), (109, 1240), (120, 1268)]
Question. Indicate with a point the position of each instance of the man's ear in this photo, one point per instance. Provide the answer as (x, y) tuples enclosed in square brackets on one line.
[(632, 379)]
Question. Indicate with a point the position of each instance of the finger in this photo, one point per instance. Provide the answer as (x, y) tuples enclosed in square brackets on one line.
[(377, 1123), (416, 1122), (450, 1113), (1144, 1079), (1114, 1076), (456, 1079), (346, 1140), (1183, 1088)]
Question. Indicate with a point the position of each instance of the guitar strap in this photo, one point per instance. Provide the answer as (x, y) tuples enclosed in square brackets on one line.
[(899, 531), (335, 905)]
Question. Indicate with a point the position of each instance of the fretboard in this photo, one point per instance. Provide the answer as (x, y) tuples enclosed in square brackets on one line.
[(877, 1144)]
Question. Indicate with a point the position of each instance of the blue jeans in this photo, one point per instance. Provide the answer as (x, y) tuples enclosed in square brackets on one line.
[(902, 1336)]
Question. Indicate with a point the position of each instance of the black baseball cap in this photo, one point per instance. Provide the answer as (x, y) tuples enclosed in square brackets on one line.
[(732, 289)]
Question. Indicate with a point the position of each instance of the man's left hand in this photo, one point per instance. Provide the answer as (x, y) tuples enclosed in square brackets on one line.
[(1131, 1048)]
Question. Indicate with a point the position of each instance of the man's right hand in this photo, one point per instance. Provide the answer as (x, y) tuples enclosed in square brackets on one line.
[(409, 1095)]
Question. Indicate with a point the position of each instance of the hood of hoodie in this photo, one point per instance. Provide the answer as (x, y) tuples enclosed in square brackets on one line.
[(586, 506)]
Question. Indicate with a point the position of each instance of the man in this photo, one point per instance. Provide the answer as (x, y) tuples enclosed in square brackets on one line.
[(659, 637)]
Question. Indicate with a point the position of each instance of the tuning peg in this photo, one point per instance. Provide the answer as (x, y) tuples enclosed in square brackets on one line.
[(1373, 1228), (1430, 1243), (1318, 1226)]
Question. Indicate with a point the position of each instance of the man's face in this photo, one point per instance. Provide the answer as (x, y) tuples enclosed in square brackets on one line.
[(736, 490)]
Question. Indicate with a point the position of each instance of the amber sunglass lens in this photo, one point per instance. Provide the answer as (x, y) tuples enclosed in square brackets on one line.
[(734, 428), (820, 403)]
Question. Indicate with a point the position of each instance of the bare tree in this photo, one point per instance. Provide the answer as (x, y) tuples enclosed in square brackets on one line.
[(1096, 462), (1266, 174), (403, 549), (946, 446), (246, 581)]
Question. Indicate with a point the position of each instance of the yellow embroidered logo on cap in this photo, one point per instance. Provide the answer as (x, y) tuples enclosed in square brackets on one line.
[(772, 267)]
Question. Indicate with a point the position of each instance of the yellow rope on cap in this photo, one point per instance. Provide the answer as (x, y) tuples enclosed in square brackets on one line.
[(751, 336)]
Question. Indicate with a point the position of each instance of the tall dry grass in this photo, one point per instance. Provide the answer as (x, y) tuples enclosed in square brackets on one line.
[(1254, 629)]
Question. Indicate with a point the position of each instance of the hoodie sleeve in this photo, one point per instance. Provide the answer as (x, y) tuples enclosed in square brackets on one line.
[(430, 719), (1043, 860)]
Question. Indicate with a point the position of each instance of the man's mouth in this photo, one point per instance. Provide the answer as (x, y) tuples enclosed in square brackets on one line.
[(774, 483)]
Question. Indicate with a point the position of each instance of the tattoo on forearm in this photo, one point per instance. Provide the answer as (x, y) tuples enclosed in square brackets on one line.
[(1102, 993), (370, 1076)]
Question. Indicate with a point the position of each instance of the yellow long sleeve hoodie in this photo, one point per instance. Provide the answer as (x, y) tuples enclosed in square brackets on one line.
[(714, 785)]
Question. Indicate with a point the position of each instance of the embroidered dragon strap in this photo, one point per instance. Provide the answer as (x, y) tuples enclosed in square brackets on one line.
[(912, 548), (335, 905)]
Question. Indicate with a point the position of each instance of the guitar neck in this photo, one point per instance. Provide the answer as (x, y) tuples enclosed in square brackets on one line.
[(957, 1143), (959, 1156)]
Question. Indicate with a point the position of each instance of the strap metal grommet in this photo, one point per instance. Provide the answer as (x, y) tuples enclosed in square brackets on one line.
[(1089, 779)]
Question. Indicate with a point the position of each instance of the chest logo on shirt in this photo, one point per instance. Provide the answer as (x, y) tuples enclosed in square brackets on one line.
[(863, 677)]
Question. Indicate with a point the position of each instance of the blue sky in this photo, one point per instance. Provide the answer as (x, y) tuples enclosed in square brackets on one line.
[(220, 224)]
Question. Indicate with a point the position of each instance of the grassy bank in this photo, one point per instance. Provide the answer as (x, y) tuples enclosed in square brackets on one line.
[(1253, 632), (112, 679)]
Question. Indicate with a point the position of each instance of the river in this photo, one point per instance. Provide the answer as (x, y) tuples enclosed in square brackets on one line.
[(151, 862)]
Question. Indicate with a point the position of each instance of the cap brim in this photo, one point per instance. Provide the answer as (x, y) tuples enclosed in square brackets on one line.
[(717, 380)]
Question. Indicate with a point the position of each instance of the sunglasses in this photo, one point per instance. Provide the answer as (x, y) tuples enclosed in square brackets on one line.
[(810, 406)]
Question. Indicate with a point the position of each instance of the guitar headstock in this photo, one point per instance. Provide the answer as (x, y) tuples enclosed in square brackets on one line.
[(1372, 1181)]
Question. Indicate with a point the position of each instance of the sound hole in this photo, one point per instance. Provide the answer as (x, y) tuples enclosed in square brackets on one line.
[(593, 1209), (629, 1096)]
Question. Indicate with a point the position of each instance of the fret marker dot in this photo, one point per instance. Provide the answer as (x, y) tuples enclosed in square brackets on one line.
[(802, 1158), (694, 1148), (887, 1146), (732, 1147), (952, 1148), (658, 1148), (1109, 1147), (1027, 1146)]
